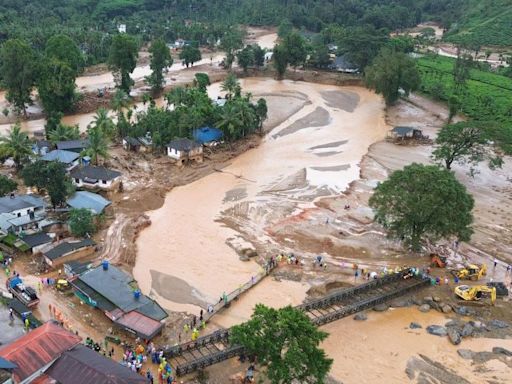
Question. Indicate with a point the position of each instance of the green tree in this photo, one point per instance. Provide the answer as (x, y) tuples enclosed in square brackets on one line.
[(190, 55), (286, 343), (259, 55), (98, 144), (160, 57), (320, 57), (423, 202), (261, 111), (284, 29), (461, 74), (245, 58), (7, 185), (81, 222), (390, 72), (122, 60), (63, 132), (231, 86), (201, 81), (469, 142), (454, 106), (57, 183), (104, 122), (295, 48), (232, 40), (56, 86), (362, 44), (62, 48), (280, 60), (17, 145), (18, 72)]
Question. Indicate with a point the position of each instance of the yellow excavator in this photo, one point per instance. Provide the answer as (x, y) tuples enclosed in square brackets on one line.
[(471, 272), (476, 292)]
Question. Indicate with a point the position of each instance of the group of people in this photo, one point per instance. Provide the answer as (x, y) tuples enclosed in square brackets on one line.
[(195, 325)]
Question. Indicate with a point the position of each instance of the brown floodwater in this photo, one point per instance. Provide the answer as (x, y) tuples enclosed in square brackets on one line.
[(186, 240)]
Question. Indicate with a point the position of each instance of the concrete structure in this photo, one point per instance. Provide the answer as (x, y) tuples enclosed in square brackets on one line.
[(21, 212), (183, 150), (68, 251), (95, 177)]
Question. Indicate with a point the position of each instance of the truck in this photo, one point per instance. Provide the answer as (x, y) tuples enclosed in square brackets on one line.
[(27, 295)]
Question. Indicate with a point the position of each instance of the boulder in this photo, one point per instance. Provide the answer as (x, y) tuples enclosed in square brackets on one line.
[(361, 316), (428, 299), (465, 353), (455, 323), (464, 311), (501, 351), (424, 308), (414, 325), (498, 324), (446, 308), (476, 324), (399, 303), (467, 330), (381, 307), (437, 299), (437, 330), (454, 336)]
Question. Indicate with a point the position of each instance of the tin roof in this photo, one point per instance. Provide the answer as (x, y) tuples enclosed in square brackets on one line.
[(37, 239), (98, 173), (143, 326), (81, 365), (73, 144), (67, 247), (88, 200), (37, 348), (183, 145), (66, 157)]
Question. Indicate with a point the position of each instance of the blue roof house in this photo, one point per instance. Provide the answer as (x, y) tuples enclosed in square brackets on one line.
[(88, 200), (69, 158)]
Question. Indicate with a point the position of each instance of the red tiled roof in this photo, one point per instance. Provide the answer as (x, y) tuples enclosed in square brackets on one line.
[(144, 326), (38, 348)]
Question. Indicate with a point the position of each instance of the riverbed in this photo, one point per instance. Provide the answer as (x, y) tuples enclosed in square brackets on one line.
[(313, 151)]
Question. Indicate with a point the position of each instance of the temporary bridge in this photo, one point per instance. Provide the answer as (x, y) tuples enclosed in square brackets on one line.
[(215, 347)]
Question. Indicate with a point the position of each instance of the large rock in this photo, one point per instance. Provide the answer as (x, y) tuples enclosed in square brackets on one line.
[(446, 308), (437, 330), (464, 311), (424, 308), (465, 353), (361, 316), (414, 325), (498, 324), (455, 323), (399, 303), (467, 330), (381, 307), (454, 336), (437, 299), (501, 351), (428, 299)]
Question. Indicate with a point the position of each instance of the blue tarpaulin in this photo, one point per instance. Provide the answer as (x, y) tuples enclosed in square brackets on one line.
[(207, 134), (14, 282)]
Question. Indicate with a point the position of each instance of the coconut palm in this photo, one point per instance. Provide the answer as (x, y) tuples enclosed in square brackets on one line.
[(176, 97), (98, 144), (229, 121), (104, 122), (64, 132), (231, 86), (17, 145)]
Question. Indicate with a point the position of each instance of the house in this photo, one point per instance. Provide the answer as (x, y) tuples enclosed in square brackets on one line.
[(41, 147), (111, 290), (6, 369), (406, 133), (67, 251), (342, 64), (121, 28), (185, 149), (268, 56), (82, 365), (131, 144), (69, 158), (36, 351), (88, 200), (21, 213), (146, 143), (207, 135), (95, 177), (74, 268), (37, 241), (50, 354), (73, 145)]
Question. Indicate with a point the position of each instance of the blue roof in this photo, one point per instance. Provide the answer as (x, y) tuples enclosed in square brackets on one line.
[(66, 157), (6, 364), (14, 282), (88, 200), (206, 134)]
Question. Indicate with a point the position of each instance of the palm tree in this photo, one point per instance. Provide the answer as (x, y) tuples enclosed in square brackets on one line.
[(230, 121), (120, 100), (64, 132), (17, 145), (103, 122), (176, 96), (98, 144), (231, 86)]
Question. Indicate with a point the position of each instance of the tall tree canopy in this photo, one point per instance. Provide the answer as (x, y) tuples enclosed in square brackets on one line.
[(18, 71), (423, 203), (391, 72), (286, 343), (160, 59), (64, 49), (190, 54), (17, 145), (123, 59)]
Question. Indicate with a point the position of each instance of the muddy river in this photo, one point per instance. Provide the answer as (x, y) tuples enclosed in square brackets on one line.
[(320, 134)]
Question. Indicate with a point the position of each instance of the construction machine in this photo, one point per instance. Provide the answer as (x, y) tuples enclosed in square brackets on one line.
[(476, 292), (62, 285), (437, 261), (471, 272)]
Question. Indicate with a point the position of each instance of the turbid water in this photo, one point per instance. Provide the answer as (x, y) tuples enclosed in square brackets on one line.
[(186, 240)]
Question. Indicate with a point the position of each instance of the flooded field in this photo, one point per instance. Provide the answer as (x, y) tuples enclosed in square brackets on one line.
[(321, 135)]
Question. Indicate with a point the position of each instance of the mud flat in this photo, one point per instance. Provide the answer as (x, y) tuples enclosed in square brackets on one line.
[(187, 238)]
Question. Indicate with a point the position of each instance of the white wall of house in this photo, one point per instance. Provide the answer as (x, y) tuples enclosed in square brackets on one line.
[(23, 212), (103, 184), (175, 154)]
